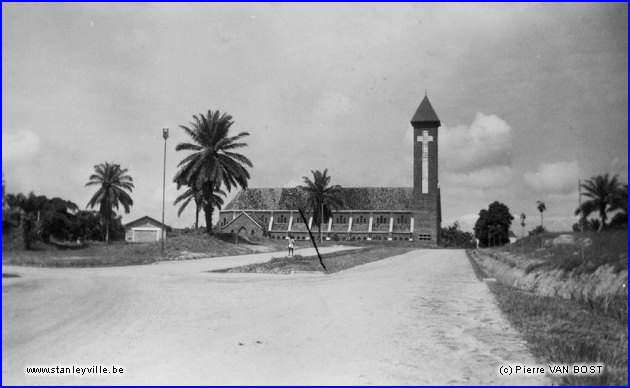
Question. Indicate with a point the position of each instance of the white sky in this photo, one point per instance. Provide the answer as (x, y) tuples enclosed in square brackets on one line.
[(532, 97)]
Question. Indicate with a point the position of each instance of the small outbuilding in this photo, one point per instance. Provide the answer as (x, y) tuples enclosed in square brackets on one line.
[(144, 229)]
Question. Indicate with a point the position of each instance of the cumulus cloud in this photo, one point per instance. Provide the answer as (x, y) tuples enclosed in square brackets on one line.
[(486, 142), (484, 178), (554, 178), (21, 145)]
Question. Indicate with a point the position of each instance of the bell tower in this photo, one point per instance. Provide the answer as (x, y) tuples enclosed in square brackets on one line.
[(426, 190)]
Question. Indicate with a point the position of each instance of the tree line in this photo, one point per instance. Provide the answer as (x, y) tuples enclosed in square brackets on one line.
[(605, 197)]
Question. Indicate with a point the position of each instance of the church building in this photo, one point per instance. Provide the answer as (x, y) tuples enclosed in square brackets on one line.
[(369, 213)]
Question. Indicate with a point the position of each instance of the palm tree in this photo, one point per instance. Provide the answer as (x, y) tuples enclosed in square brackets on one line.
[(213, 162), (605, 195), (321, 199), (113, 182), (195, 195), (541, 208)]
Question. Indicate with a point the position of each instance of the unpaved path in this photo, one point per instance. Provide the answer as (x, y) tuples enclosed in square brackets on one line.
[(419, 318)]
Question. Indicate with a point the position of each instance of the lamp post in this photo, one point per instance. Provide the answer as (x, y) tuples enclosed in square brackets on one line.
[(165, 136)]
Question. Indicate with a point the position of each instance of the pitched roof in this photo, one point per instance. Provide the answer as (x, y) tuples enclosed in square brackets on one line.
[(354, 198), (243, 214), (425, 113), (142, 220)]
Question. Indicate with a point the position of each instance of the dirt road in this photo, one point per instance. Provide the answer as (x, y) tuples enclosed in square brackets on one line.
[(419, 318)]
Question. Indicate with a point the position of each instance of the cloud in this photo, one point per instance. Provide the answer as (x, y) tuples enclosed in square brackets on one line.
[(485, 143), (554, 178), (484, 178), (20, 146)]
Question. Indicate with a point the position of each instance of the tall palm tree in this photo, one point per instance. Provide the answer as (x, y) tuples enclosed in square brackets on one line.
[(114, 184), (604, 195), (213, 161), (321, 199), (541, 208)]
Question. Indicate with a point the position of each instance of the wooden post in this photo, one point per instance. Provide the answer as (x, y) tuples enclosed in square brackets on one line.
[(321, 262)]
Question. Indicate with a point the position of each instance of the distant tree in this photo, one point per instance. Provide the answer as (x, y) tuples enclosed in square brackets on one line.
[(51, 217), (540, 205), (493, 225), (4, 202), (538, 230), (57, 219), (88, 226), (113, 182), (453, 237), (605, 195), (321, 199), (213, 162), (523, 217), (619, 207)]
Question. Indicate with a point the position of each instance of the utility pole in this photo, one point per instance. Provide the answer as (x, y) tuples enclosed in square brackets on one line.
[(165, 136), (581, 221)]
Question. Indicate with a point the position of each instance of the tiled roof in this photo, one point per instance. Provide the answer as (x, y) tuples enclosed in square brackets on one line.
[(425, 113), (354, 198)]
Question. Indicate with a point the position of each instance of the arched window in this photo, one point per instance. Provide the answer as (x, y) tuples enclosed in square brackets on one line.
[(381, 220), (282, 219), (341, 219), (361, 219)]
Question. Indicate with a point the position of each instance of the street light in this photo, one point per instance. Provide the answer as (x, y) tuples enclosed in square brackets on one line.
[(165, 136)]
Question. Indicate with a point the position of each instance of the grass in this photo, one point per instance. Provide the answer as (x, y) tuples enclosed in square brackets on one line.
[(334, 262), (96, 254), (606, 248), (561, 331)]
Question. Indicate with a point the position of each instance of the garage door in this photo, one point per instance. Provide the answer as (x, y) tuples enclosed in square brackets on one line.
[(146, 235)]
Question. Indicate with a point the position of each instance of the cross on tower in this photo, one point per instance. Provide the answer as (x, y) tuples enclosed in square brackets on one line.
[(425, 139)]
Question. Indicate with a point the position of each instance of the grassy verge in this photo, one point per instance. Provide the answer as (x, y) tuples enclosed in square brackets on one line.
[(95, 254), (605, 248), (334, 262), (561, 331)]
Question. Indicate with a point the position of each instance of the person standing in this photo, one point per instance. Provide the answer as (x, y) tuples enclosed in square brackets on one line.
[(291, 241)]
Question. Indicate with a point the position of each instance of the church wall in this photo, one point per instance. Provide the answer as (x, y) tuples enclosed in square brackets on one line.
[(380, 221), (243, 225)]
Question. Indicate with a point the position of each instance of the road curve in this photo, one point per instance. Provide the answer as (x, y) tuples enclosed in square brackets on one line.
[(421, 318)]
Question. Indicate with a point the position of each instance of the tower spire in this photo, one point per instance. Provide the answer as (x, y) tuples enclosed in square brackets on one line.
[(425, 114)]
